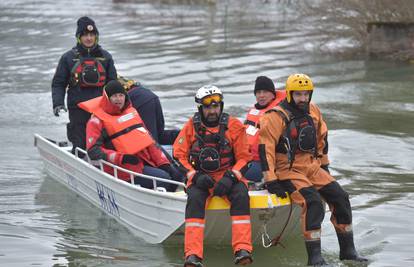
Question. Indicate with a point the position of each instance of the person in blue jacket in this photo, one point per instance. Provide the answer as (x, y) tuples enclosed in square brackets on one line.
[(82, 72), (149, 108)]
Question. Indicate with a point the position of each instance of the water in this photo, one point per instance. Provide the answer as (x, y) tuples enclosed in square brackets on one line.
[(175, 48)]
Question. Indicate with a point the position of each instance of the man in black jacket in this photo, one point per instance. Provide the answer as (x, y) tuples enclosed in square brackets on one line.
[(83, 71)]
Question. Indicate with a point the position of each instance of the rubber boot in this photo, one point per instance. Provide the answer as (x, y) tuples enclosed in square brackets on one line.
[(347, 247), (243, 257), (193, 261), (314, 253)]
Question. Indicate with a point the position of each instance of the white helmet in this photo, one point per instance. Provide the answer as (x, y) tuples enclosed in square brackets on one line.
[(208, 90)]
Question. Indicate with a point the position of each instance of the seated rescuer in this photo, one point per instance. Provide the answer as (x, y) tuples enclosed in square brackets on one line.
[(149, 107), (116, 133), (83, 70), (293, 149), (212, 146), (267, 98)]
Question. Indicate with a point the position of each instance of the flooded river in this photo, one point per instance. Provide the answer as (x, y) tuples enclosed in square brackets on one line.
[(174, 48)]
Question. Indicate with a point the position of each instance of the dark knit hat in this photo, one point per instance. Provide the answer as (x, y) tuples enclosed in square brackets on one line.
[(114, 87), (85, 25), (264, 83)]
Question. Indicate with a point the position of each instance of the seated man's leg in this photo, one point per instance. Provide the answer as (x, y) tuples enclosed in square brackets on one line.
[(194, 225), (148, 183), (241, 226), (254, 173)]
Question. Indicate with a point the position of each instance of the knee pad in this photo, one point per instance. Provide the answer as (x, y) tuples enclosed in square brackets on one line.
[(196, 202), (240, 201), (338, 198), (315, 210)]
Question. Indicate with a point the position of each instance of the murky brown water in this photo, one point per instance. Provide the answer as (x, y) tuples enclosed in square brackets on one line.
[(174, 49)]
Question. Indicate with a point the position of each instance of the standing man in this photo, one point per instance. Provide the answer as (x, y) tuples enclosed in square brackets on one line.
[(83, 71), (267, 97), (293, 149), (212, 146)]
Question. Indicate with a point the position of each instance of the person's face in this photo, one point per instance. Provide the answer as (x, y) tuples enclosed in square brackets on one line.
[(88, 39), (301, 98), (212, 112), (264, 97), (118, 100)]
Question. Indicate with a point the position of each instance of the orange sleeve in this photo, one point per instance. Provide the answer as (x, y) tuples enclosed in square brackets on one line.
[(271, 128), (241, 152), (182, 145), (95, 143), (322, 134)]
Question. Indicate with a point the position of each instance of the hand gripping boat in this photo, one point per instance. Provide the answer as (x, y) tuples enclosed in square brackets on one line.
[(155, 215)]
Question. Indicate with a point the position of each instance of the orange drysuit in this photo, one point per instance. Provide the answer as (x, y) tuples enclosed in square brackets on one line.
[(300, 173)]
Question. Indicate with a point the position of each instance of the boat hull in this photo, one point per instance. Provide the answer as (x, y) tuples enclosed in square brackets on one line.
[(158, 217)]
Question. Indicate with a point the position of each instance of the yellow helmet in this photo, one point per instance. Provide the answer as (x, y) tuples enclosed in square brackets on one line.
[(297, 82)]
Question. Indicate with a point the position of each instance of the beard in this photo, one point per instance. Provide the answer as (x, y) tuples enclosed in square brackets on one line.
[(303, 107), (212, 118)]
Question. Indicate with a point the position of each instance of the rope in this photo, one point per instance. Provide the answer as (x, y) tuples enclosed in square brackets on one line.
[(277, 240)]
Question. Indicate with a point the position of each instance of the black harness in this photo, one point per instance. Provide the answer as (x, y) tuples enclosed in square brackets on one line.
[(298, 136), (211, 151), (87, 71)]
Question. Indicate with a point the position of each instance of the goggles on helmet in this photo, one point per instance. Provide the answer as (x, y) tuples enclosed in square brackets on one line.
[(211, 99)]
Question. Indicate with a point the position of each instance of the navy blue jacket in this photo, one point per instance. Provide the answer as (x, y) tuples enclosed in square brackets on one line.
[(149, 108), (63, 74)]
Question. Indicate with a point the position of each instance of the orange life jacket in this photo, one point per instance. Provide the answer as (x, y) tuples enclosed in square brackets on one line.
[(254, 115), (126, 131)]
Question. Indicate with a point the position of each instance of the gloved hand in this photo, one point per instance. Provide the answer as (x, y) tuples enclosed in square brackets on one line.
[(275, 187), (326, 168), (57, 109), (225, 184), (173, 172), (130, 159), (203, 181)]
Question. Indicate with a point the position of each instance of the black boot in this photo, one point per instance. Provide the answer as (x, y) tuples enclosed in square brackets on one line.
[(347, 247), (242, 257), (193, 261), (314, 253)]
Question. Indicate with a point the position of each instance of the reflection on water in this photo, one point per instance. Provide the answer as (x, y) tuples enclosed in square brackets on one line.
[(174, 48)]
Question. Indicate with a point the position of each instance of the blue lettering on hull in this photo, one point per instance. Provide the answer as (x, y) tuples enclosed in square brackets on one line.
[(107, 199)]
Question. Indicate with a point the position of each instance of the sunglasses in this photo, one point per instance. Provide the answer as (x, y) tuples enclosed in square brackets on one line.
[(208, 100)]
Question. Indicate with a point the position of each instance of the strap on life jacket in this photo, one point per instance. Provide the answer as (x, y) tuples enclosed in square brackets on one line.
[(249, 122), (287, 145), (125, 131)]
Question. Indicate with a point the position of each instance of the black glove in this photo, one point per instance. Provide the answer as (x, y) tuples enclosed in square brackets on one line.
[(130, 159), (225, 184), (326, 168), (275, 187), (57, 109), (203, 181), (173, 172)]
